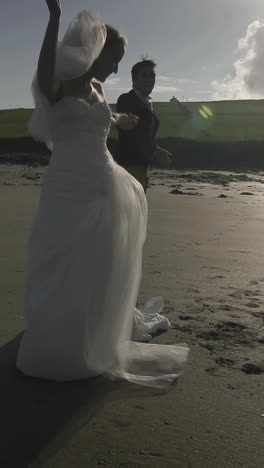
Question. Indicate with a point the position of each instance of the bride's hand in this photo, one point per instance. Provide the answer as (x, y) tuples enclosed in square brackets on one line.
[(127, 121), (54, 7)]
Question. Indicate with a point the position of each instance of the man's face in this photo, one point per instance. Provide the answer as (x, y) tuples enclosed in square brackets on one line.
[(144, 81)]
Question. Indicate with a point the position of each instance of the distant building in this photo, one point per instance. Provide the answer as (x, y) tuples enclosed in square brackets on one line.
[(182, 107)]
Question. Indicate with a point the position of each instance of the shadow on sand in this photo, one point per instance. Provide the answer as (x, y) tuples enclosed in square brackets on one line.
[(35, 414), (39, 416)]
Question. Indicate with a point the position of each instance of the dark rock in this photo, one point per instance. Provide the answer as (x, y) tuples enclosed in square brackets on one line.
[(252, 369)]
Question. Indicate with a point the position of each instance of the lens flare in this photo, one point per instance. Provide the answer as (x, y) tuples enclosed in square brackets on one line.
[(206, 112)]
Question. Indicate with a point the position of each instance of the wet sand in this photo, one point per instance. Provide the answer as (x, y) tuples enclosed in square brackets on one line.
[(204, 254)]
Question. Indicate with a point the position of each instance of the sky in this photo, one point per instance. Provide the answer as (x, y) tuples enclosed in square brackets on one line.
[(204, 49)]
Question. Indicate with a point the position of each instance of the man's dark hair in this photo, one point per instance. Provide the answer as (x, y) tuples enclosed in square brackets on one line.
[(140, 65)]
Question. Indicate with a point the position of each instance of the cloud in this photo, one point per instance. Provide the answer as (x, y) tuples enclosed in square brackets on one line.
[(165, 89), (172, 79), (187, 81), (112, 82), (166, 84), (247, 81), (166, 78)]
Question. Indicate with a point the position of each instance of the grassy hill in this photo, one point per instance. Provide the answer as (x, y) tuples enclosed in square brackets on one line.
[(13, 122), (208, 121), (222, 121)]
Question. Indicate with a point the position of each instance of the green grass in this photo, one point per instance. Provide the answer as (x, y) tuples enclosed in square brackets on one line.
[(13, 122), (229, 120)]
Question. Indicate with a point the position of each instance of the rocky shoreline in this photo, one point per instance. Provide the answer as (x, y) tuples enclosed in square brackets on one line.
[(187, 154)]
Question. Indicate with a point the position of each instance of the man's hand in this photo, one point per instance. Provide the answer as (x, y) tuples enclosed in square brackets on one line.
[(125, 121), (162, 157), (54, 7)]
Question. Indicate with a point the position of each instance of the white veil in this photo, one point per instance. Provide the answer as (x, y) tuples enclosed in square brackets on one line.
[(79, 48), (81, 45)]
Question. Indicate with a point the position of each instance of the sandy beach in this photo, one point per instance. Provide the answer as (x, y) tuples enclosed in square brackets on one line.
[(204, 255)]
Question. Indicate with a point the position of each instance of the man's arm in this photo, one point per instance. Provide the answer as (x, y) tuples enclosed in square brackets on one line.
[(124, 121)]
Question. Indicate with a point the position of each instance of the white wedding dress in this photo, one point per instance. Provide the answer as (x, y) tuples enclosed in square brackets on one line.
[(85, 245), (84, 264)]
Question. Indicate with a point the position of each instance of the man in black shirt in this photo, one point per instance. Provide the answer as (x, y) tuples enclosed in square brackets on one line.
[(136, 148)]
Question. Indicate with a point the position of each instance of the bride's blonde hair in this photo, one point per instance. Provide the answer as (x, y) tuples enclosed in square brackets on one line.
[(113, 37)]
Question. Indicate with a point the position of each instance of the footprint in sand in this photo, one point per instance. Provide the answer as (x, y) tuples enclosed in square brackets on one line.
[(186, 317), (228, 333), (184, 329), (225, 362), (226, 307), (239, 251), (215, 268), (207, 346), (227, 326), (232, 387), (209, 335), (261, 280), (211, 371), (236, 295), (258, 314), (253, 293), (167, 307), (193, 290), (252, 305)]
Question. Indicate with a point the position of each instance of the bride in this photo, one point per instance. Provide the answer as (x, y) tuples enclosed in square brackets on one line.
[(86, 240)]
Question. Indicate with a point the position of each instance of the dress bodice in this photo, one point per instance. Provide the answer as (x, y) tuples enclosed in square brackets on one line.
[(72, 117), (80, 158), (80, 126)]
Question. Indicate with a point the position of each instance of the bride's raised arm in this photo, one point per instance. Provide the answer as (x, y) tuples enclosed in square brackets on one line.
[(47, 57)]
